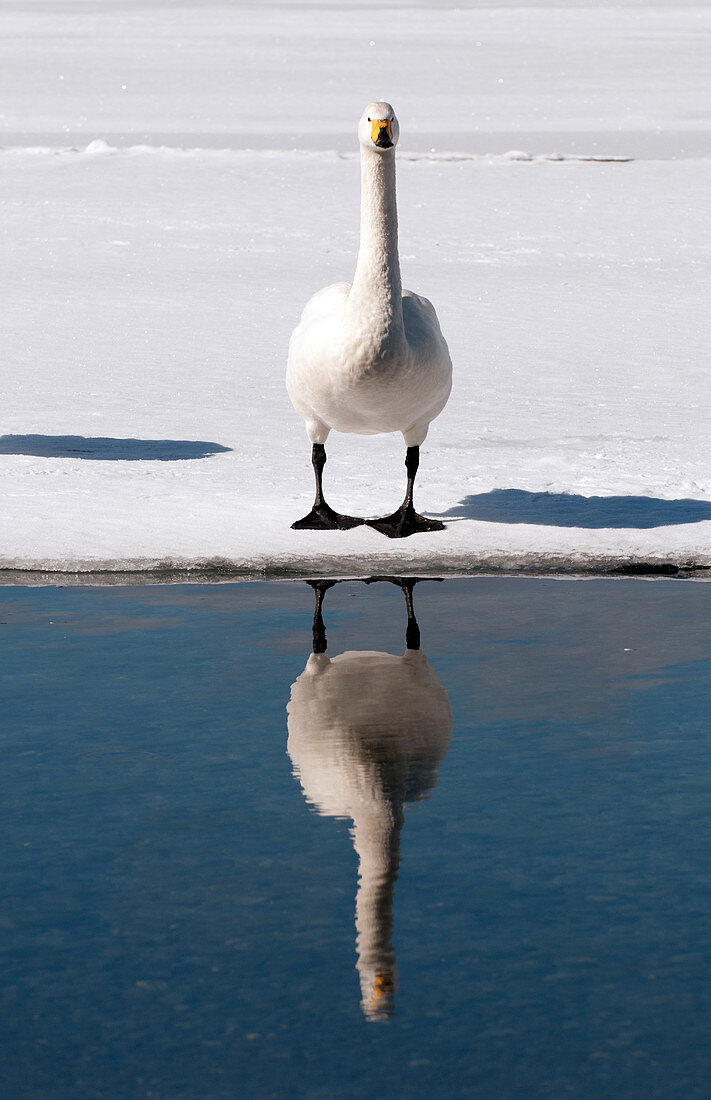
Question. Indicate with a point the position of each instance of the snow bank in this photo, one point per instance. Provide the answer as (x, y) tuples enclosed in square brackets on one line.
[(155, 299), (151, 289)]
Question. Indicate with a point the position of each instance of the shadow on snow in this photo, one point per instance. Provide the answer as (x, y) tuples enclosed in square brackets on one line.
[(569, 510), (104, 449)]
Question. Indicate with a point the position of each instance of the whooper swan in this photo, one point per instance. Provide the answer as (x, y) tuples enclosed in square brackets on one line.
[(368, 357)]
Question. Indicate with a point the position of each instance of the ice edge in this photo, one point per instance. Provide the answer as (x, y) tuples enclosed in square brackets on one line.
[(179, 570)]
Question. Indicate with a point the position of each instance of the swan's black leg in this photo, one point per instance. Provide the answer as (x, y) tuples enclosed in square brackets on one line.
[(322, 517), (406, 521), (319, 630)]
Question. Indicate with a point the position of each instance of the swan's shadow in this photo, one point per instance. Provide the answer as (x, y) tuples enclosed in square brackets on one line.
[(570, 510), (106, 449)]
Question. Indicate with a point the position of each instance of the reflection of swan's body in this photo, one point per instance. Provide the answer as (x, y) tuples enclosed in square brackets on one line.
[(367, 732)]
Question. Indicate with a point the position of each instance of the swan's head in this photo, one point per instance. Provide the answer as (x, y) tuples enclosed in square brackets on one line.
[(378, 128)]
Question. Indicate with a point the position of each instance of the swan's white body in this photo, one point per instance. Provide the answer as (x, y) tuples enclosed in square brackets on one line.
[(368, 357), (367, 732)]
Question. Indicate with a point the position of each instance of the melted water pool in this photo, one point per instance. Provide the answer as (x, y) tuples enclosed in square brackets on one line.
[(479, 867)]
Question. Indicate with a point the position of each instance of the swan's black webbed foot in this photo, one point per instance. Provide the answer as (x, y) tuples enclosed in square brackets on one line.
[(323, 518), (406, 521)]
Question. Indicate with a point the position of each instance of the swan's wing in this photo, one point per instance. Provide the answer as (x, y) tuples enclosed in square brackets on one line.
[(419, 313), (308, 362), (432, 375), (422, 328), (323, 303)]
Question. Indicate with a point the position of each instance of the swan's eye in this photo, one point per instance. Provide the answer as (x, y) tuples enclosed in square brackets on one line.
[(368, 120)]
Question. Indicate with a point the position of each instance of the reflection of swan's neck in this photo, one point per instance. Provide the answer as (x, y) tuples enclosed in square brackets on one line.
[(367, 732), (376, 284), (376, 838)]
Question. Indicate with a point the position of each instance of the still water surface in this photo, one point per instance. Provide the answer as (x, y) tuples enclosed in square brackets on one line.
[(246, 853)]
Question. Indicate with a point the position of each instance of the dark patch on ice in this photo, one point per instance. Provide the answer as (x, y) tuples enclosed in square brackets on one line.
[(102, 449), (570, 510), (649, 569)]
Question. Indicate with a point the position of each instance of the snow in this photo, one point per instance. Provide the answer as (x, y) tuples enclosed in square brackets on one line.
[(161, 240)]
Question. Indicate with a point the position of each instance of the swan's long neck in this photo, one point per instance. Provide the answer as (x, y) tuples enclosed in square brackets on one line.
[(377, 289)]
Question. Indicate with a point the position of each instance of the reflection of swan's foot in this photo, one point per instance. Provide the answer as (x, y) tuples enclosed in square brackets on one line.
[(323, 518), (319, 630), (407, 584), (406, 521), (321, 586)]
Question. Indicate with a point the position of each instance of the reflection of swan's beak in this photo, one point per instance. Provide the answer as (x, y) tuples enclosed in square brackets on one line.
[(381, 1004), (381, 133)]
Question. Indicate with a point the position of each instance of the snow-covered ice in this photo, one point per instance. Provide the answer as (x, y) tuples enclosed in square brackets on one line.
[(160, 240)]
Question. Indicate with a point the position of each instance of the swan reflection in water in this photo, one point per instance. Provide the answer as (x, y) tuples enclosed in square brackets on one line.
[(367, 733)]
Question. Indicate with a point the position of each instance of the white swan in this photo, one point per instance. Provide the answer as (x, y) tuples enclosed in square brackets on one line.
[(367, 733), (368, 357)]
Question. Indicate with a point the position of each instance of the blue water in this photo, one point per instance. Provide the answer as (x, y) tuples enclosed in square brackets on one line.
[(177, 915)]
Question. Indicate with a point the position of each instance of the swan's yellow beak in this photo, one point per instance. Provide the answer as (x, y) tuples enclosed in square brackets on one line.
[(381, 133)]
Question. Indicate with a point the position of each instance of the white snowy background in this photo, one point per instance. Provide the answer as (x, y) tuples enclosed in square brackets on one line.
[(178, 179)]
